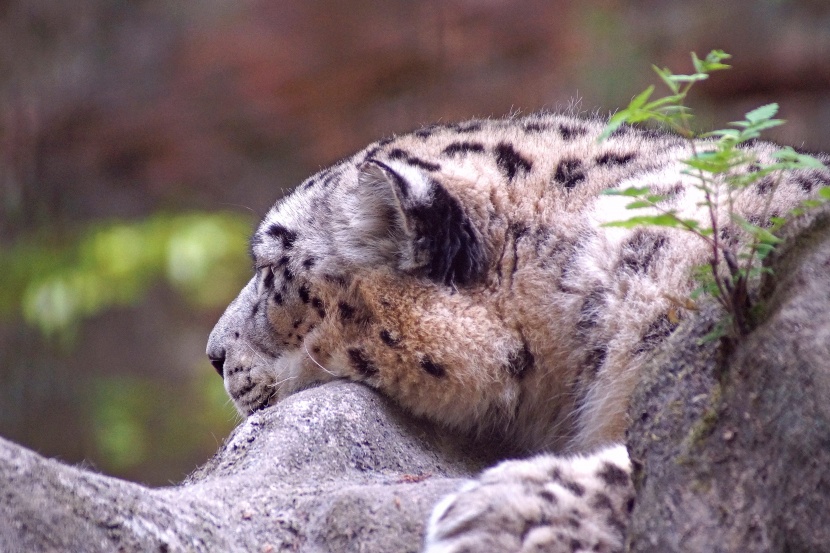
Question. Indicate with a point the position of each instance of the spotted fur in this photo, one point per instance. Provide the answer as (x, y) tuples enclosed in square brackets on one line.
[(464, 271), (551, 504)]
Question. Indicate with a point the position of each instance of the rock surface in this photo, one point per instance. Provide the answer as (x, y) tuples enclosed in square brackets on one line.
[(335, 468), (731, 449)]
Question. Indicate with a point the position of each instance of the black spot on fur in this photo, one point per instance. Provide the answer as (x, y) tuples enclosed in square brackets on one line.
[(657, 133), (397, 153), (520, 362), (656, 332), (287, 275), (328, 179), (446, 238), (282, 261), (571, 131), (823, 178), (602, 501), (433, 368), (317, 304), (757, 221), (728, 235), (346, 310), (425, 165), (361, 363), (639, 251), (304, 293), (672, 192), (590, 311), (747, 144), (614, 159), (543, 242), (595, 359), (255, 310), (425, 132), (575, 487), (388, 339), (463, 148), (510, 161), (613, 475), (622, 130), (617, 524), (573, 522), (279, 232), (296, 324), (516, 231), (813, 179), (309, 263), (569, 172), (535, 127), (805, 183), (575, 544), (268, 279), (548, 496), (472, 127), (278, 299), (764, 186)]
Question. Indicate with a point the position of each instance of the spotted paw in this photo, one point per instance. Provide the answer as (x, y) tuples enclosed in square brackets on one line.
[(547, 503)]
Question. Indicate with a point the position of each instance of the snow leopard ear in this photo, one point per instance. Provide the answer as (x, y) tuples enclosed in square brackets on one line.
[(435, 237)]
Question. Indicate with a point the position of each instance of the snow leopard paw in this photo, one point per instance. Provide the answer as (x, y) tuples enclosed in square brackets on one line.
[(547, 503)]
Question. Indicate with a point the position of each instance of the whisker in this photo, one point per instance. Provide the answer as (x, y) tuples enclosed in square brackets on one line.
[(305, 347), (283, 381), (255, 352), (235, 416)]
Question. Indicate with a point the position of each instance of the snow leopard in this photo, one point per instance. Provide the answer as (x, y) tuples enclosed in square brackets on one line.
[(466, 271)]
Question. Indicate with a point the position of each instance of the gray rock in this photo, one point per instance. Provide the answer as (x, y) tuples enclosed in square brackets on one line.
[(732, 446), (335, 468)]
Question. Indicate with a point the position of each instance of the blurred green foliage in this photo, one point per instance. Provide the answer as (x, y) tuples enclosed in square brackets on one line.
[(139, 421), (147, 426), (56, 281)]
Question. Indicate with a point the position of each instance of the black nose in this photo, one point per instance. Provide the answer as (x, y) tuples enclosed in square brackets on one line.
[(217, 359)]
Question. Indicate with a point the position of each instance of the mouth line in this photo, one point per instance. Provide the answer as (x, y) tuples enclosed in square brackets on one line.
[(260, 407), (275, 381)]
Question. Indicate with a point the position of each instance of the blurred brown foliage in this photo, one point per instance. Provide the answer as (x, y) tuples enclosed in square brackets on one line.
[(112, 109)]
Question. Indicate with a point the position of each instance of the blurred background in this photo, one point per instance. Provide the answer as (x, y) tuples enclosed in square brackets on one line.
[(140, 142)]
